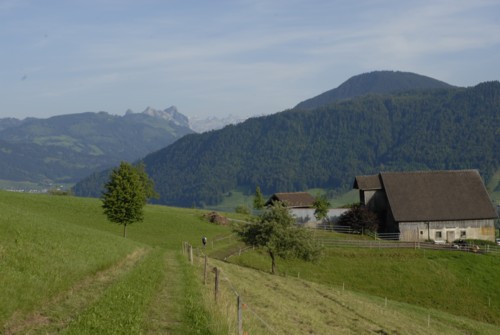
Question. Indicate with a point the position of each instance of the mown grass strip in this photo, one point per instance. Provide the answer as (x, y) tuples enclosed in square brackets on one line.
[(62, 309), (123, 308), (166, 308), (196, 317)]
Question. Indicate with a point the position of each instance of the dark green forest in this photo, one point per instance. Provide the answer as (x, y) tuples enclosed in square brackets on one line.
[(376, 82), (326, 147)]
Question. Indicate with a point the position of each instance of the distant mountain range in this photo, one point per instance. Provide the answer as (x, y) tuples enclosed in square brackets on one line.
[(196, 124), (67, 148), (379, 121)]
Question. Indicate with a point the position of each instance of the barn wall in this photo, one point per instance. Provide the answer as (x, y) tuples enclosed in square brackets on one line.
[(448, 230), (376, 201)]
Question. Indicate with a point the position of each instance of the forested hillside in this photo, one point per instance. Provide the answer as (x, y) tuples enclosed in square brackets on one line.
[(454, 128), (378, 82)]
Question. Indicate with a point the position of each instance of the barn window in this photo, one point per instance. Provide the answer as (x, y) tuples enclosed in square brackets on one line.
[(439, 235), (463, 233)]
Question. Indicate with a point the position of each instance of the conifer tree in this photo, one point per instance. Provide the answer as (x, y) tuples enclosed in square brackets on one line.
[(258, 200)]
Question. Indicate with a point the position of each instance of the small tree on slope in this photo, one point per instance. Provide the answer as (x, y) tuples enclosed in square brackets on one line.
[(125, 195), (276, 232)]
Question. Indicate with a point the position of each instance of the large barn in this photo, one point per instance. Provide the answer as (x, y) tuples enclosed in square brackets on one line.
[(430, 205)]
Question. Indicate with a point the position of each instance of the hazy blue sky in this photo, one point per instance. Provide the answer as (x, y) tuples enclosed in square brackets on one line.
[(215, 58)]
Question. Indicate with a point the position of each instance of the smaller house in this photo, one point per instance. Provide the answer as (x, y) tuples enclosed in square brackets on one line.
[(301, 206), (430, 205)]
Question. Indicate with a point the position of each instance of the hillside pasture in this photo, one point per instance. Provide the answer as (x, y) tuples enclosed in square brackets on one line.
[(290, 305), (460, 283), (66, 269)]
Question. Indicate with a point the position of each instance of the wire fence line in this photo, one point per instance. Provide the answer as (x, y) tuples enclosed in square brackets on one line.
[(220, 276), (242, 305), (384, 244)]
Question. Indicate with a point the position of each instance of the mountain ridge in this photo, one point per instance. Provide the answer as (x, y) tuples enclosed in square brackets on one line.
[(66, 148), (325, 147), (375, 82)]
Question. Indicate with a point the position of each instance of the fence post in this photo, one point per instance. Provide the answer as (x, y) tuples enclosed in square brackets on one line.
[(216, 283), (205, 272), (190, 254), (240, 316)]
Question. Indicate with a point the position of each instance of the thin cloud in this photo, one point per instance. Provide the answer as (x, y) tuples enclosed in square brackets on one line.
[(232, 56)]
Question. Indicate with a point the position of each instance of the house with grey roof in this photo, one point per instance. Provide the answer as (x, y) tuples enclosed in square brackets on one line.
[(301, 206), (430, 205)]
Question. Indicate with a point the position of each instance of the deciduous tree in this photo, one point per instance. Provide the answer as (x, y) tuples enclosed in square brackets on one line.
[(359, 218), (276, 232), (321, 206), (125, 195)]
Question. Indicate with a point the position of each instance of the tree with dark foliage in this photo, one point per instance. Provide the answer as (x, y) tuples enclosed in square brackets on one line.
[(360, 219)]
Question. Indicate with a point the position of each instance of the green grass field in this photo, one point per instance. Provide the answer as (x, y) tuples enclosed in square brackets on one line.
[(65, 269)]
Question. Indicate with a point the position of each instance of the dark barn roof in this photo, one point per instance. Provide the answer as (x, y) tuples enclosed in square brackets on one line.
[(437, 195), (367, 183), (294, 199)]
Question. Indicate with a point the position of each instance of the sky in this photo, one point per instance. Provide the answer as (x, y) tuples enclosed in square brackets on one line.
[(235, 57)]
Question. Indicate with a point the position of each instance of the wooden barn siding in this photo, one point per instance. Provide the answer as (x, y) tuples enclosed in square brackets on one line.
[(474, 229)]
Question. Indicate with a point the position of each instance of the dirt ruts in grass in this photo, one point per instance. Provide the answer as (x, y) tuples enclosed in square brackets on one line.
[(54, 315)]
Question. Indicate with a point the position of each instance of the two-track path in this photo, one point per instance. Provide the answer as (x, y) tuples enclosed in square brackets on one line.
[(55, 316)]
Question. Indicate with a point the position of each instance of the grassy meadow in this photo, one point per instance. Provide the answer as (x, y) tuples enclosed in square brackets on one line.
[(60, 251), (66, 270)]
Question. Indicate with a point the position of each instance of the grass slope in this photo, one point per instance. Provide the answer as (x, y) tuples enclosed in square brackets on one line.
[(288, 305), (65, 269), (459, 283)]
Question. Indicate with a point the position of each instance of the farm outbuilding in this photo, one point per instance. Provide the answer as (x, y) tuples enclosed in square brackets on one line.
[(430, 205), (301, 206)]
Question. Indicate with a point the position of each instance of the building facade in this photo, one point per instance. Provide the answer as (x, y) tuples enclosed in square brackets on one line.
[(430, 205)]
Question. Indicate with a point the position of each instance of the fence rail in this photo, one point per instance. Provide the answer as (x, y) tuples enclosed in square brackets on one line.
[(349, 230), (391, 240), (384, 244)]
